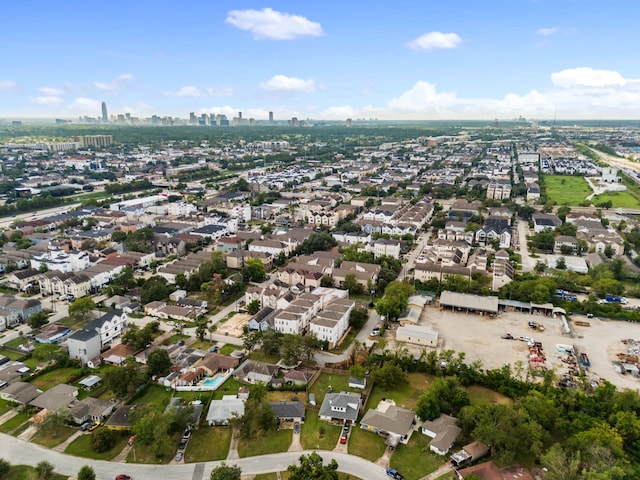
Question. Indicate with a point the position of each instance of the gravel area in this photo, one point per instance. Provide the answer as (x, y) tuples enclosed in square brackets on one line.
[(480, 338)]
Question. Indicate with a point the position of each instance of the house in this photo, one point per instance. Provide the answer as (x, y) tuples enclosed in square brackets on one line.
[(263, 320), (25, 308), (389, 421), (120, 419), (21, 393), (332, 322), (490, 471), (544, 221), (364, 272), (288, 411), (565, 244), (252, 371), (22, 280), (213, 363), (92, 409), (360, 383), (444, 431), (86, 343), (56, 398), (222, 411), (52, 333), (340, 407), (417, 335), (298, 377), (495, 229)]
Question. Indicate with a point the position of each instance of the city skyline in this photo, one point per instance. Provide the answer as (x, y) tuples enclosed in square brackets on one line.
[(416, 61)]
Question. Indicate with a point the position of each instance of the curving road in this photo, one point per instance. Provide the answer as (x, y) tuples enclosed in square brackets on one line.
[(19, 452)]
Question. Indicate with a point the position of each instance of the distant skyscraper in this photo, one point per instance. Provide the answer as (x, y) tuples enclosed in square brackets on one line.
[(349, 122), (105, 117), (270, 117)]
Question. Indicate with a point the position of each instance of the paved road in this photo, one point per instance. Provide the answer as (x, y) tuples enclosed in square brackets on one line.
[(528, 263), (19, 452)]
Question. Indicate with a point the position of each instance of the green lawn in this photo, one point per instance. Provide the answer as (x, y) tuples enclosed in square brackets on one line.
[(5, 406), (480, 395), (73, 323), (81, 447), (258, 356), (155, 394), (56, 437), (565, 189), (228, 349), (310, 433), (25, 472), (406, 395), (208, 444), (618, 199), (14, 422), (365, 444), (142, 453), (14, 356), (55, 377), (339, 383), (276, 443), (229, 387), (415, 460)]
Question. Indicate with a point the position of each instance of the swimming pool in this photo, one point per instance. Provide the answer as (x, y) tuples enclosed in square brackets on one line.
[(214, 382)]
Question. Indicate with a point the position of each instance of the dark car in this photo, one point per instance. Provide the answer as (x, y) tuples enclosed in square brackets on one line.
[(85, 426), (296, 427), (346, 427), (393, 473)]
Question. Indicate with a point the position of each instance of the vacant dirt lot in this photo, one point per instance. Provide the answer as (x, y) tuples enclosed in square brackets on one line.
[(233, 326), (479, 337)]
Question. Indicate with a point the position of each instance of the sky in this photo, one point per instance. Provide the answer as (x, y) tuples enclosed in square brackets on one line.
[(331, 60)]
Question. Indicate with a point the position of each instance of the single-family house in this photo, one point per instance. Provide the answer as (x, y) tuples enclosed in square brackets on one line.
[(288, 411), (444, 431), (222, 411), (340, 407), (252, 371), (393, 423), (56, 398), (91, 408)]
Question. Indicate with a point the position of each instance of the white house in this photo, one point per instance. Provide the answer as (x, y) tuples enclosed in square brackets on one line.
[(58, 259)]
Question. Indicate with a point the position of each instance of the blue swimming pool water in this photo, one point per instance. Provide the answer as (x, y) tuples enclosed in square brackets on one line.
[(213, 381)]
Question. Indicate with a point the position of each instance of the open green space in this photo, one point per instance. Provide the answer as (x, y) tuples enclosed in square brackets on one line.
[(479, 395), (143, 454), (338, 383), (208, 444), (54, 437), (73, 323), (155, 394), (228, 349), (229, 387), (258, 356), (26, 472), (15, 343), (56, 377), (14, 422), (5, 406), (81, 447), (565, 189), (406, 395), (415, 460), (13, 356), (618, 199), (277, 442), (316, 434), (365, 444)]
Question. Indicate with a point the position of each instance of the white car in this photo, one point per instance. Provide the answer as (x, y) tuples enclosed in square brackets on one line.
[(171, 323)]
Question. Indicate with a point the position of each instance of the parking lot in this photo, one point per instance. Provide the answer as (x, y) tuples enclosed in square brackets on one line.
[(480, 338)]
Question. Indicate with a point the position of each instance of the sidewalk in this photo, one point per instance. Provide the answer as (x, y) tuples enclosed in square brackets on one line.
[(65, 444)]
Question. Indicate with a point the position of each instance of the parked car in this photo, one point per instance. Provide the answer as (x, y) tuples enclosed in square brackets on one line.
[(131, 439), (85, 426), (186, 435), (393, 473), (122, 476), (343, 438), (93, 426), (296, 427), (179, 456)]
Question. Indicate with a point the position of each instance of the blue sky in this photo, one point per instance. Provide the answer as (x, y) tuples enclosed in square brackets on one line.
[(422, 59)]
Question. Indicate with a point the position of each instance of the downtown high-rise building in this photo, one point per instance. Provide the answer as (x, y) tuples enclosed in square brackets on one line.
[(105, 116), (270, 117)]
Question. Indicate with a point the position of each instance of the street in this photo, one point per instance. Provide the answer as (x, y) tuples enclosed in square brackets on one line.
[(19, 452)]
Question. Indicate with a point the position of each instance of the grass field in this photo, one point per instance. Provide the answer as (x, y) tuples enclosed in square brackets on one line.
[(143, 454), (310, 433), (415, 460), (25, 472), (14, 422), (365, 444), (339, 383), (55, 377), (208, 444), (479, 395), (618, 199), (406, 395), (52, 438), (278, 442), (81, 447), (155, 394), (565, 189)]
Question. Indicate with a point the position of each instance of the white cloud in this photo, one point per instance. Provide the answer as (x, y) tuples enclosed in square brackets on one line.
[(282, 83), (50, 100), (86, 106), (191, 91), (269, 24), (118, 83), (587, 77), (435, 40), (550, 31), (8, 86), (51, 92)]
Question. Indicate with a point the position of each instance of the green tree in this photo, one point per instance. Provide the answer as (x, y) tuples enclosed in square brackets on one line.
[(54, 421), (81, 308), (45, 351), (124, 379), (44, 470), (38, 320), (253, 307), (351, 283), (310, 467), (390, 376), (154, 289), (253, 270), (4, 467), (427, 407), (86, 473), (158, 363), (103, 440), (226, 472), (395, 300)]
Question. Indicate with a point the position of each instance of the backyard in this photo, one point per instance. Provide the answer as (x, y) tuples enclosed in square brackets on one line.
[(56, 377)]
